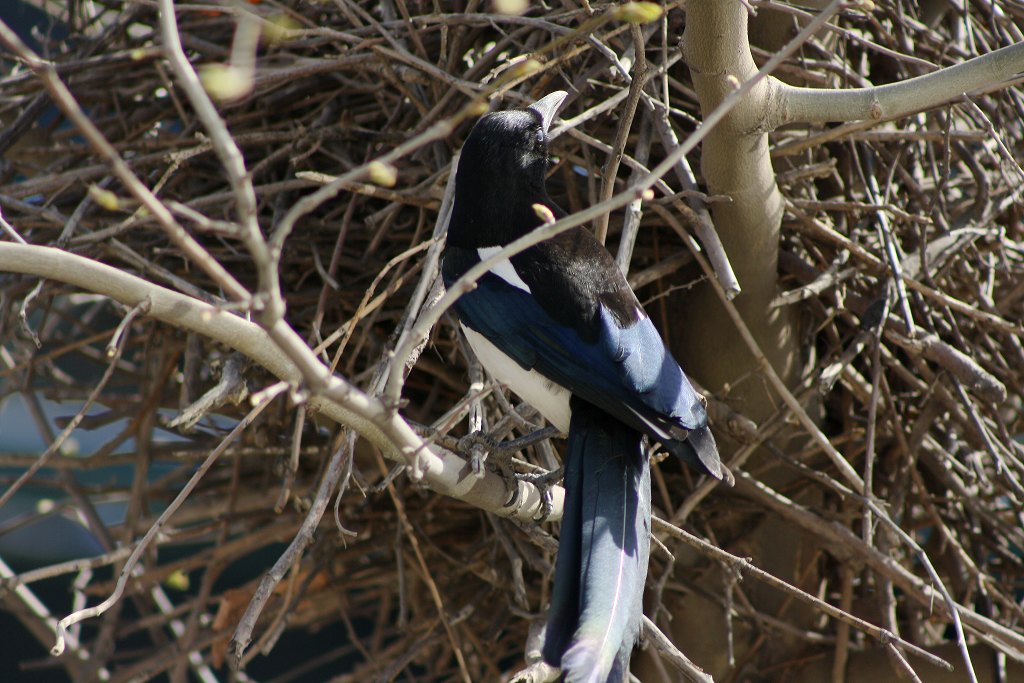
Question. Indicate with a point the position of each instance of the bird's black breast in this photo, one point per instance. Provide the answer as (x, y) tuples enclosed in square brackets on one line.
[(455, 261)]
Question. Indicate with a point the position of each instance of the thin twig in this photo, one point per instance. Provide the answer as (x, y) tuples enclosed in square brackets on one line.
[(746, 567), (130, 564)]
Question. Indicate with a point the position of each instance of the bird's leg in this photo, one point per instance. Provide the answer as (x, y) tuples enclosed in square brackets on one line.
[(477, 445), (542, 480), (507, 449), (480, 446)]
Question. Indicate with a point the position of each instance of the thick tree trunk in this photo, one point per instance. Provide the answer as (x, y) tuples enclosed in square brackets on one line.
[(735, 164)]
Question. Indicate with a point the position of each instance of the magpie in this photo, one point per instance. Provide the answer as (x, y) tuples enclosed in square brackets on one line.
[(560, 326)]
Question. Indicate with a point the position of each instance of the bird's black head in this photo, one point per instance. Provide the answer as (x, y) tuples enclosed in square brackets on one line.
[(501, 175)]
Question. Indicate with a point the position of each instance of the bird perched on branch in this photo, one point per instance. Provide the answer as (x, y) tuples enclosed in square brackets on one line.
[(560, 326)]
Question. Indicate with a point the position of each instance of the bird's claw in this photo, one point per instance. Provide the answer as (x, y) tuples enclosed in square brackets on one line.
[(478, 445), (481, 447), (544, 481)]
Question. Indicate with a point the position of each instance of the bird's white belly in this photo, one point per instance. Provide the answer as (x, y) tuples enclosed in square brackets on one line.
[(550, 399)]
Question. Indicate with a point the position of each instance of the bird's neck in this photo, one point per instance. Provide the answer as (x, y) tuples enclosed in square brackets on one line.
[(482, 218)]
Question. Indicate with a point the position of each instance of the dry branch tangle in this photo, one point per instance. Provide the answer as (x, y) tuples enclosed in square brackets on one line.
[(338, 91), (443, 471)]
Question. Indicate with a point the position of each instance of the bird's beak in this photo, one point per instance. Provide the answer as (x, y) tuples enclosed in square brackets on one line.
[(547, 106)]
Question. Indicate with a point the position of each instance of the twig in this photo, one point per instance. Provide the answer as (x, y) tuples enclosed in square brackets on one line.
[(293, 553), (231, 160), (66, 101), (610, 172), (129, 566), (9, 229), (339, 400), (58, 443), (670, 652), (746, 567), (34, 606)]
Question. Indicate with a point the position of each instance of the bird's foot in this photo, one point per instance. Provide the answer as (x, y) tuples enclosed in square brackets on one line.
[(477, 445), (481, 446), (544, 481)]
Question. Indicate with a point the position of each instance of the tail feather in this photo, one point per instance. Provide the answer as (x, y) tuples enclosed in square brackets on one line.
[(597, 600)]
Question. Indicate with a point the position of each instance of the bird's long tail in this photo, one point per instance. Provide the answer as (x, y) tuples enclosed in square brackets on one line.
[(597, 598)]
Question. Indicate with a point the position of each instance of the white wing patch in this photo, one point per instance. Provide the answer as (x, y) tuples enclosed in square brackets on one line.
[(550, 399), (504, 269)]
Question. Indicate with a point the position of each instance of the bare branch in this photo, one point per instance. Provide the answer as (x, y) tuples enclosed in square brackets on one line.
[(813, 105), (443, 471)]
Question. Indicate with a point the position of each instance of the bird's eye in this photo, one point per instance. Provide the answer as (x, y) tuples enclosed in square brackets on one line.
[(540, 139)]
